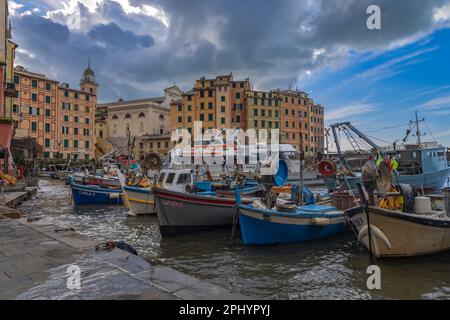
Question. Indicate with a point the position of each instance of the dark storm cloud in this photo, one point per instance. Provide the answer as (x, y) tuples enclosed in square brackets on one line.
[(51, 47), (112, 35), (273, 42), (276, 40), (48, 30)]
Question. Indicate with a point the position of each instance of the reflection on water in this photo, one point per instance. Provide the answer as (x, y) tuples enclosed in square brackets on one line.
[(325, 269)]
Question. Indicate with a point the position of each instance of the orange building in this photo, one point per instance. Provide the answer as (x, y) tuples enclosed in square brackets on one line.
[(59, 118), (301, 122)]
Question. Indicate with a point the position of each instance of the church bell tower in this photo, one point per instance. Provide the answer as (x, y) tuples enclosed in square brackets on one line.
[(88, 83)]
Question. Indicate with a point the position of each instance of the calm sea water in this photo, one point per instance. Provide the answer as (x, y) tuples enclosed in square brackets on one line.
[(331, 268)]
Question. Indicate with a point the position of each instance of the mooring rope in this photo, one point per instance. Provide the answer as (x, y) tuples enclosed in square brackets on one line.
[(235, 221)]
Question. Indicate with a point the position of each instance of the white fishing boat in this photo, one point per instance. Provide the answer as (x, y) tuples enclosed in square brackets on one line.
[(141, 199), (397, 222), (397, 234)]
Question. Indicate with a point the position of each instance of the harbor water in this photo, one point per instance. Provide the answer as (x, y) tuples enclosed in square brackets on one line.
[(333, 268)]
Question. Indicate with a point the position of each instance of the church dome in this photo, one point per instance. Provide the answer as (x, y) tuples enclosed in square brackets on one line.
[(89, 72), (88, 75)]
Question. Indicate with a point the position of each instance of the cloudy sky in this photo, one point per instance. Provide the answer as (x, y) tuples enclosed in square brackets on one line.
[(374, 78)]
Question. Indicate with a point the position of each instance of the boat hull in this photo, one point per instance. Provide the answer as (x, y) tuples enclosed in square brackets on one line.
[(435, 180), (180, 212), (86, 195), (407, 234), (259, 228), (141, 200)]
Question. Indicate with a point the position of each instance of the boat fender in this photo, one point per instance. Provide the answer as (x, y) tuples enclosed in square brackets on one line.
[(375, 249), (321, 221), (114, 195), (125, 201), (376, 232), (409, 196), (266, 216)]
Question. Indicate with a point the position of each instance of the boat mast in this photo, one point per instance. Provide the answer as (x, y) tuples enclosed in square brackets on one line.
[(129, 151), (302, 159), (418, 130), (338, 147)]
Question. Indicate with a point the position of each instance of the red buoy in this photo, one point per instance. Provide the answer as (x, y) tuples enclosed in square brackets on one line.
[(327, 168)]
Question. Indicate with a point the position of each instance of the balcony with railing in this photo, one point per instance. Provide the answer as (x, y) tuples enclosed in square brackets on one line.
[(10, 90)]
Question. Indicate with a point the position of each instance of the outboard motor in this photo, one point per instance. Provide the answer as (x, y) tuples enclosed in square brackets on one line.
[(273, 173)]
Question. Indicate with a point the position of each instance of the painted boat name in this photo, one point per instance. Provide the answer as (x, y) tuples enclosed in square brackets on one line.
[(172, 203)]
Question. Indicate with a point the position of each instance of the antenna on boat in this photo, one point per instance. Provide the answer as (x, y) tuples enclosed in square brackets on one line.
[(418, 133)]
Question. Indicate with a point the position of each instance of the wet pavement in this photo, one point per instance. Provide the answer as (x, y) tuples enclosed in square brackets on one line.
[(42, 262)]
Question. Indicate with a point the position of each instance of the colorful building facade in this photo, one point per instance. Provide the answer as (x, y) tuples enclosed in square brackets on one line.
[(223, 102), (61, 119), (218, 102)]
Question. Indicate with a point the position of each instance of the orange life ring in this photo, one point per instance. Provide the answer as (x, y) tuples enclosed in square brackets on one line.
[(327, 168)]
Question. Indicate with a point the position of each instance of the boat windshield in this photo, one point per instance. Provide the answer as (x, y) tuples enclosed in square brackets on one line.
[(170, 177), (184, 178), (161, 177)]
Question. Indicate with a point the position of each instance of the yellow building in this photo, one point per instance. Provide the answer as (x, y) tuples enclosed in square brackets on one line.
[(218, 102), (263, 110)]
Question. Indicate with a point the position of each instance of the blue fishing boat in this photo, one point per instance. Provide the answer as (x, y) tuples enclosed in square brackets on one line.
[(262, 226), (423, 165), (87, 194), (288, 223)]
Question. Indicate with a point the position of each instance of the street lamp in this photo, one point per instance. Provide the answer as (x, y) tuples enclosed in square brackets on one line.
[(59, 149)]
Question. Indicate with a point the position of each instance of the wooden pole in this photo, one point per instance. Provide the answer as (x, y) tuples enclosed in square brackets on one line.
[(302, 159)]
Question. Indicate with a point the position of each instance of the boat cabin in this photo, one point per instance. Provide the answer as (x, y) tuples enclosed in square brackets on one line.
[(415, 159), (175, 180)]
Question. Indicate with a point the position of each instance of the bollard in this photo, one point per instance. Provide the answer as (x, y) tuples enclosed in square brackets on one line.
[(447, 201)]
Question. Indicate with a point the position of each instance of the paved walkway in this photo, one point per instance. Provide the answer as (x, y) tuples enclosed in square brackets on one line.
[(34, 259)]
